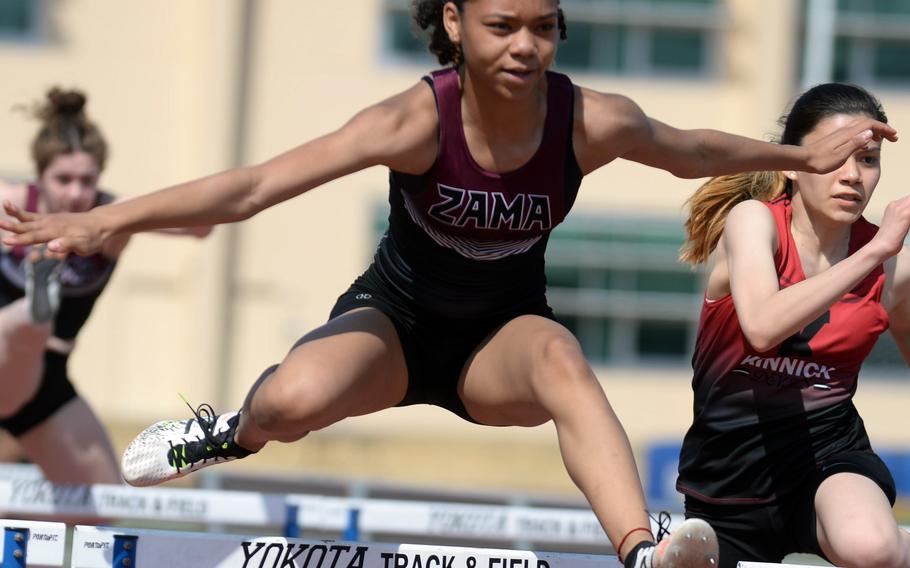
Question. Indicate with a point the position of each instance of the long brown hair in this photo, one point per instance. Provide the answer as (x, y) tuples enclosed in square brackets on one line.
[(709, 206)]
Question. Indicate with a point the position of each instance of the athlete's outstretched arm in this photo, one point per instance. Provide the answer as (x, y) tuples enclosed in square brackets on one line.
[(613, 126), (897, 301), (399, 132), (768, 315), (114, 246)]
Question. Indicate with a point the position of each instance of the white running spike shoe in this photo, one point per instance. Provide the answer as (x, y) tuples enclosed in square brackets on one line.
[(175, 448), (692, 544)]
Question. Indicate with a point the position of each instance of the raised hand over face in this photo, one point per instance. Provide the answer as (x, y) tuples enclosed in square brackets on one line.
[(830, 152)]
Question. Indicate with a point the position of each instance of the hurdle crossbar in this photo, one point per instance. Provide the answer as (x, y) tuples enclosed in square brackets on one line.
[(488, 523), (767, 565), (40, 497), (105, 547)]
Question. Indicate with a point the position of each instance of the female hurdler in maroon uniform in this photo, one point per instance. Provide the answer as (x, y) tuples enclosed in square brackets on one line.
[(485, 159), (777, 459), (45, 302)]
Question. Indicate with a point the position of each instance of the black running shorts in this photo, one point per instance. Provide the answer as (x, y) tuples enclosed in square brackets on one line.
[(768, 532), (436, 348), (54, 391)]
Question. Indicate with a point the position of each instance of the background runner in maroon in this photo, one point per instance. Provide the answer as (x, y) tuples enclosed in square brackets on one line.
[(525, 372), (55, 428)]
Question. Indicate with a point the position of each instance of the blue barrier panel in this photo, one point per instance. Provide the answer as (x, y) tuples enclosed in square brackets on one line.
[(352, 531), (662, 462), (15, 547), (898, 461), (291, 525), (125, 551)]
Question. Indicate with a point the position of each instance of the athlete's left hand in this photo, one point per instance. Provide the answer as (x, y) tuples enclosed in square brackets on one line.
[(893, 229)]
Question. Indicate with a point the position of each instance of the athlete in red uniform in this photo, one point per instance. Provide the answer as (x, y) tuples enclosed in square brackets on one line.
[(485, 160), (777, 459)]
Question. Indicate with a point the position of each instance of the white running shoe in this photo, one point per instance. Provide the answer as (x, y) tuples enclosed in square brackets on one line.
[(692, 544), (175, 448)]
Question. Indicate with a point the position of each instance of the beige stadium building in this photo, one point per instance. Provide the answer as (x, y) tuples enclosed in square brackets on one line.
[(183, 89)]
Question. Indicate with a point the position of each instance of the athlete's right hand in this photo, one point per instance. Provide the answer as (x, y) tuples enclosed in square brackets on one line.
[(892, 232), (829, 153), (64, 233)]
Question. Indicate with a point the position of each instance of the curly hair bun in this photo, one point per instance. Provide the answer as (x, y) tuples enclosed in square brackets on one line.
[(65, 128), (63, 103)]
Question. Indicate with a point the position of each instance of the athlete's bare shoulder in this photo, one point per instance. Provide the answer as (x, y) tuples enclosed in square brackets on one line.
[(416, 103), (606, 126), (751, 212), (750, 225), (410, 121)]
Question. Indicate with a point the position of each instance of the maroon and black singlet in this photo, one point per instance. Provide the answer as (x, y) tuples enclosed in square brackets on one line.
[(464, 251), (82, 280)]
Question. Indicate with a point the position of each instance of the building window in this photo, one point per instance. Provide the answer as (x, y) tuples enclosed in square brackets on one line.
[(884, 7), (628, 37), (871, 41), (401, 38), (642, 37), (18, 19), (616, 283)]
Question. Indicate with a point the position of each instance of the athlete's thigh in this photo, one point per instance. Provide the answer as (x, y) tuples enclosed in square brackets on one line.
[(71, 446), (21, 356), (500, 384), (351, 365), (851, 509)]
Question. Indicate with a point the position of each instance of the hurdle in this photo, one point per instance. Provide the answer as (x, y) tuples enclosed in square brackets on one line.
[(106, 547), (290, 514), (42, 498), (33, 544), (36, 544), (767, 565)]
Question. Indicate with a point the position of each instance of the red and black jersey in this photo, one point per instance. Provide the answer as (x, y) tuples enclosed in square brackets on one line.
[(762, 420), (465, 242)]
